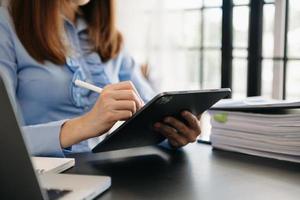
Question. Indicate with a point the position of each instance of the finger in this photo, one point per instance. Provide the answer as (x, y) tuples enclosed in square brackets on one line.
[(137, 93), (126, 85), (173, 143), (124, 105), (131, 85), (199, 117), (182, 129), (192, 121), (127, 95), (171, 134), (122, 115)]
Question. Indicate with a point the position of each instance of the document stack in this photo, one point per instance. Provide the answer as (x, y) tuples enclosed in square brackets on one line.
[(257, 126)]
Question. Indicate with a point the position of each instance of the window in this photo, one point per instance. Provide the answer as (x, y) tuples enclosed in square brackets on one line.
[(268, 49), (252, 46), (240, 25), (211, 26), (282, 55), (293, 50), (166, 34)]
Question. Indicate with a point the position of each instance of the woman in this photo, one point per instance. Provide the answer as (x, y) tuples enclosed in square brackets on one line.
[(45, 46)]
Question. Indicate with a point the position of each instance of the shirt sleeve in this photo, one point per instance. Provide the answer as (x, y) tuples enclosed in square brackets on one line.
[(42, 139), (130, 70)]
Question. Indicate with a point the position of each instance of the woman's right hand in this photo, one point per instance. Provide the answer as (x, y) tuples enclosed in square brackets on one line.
[(117, 102)]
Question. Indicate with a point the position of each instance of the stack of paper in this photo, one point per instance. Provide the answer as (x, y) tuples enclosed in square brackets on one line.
[(264, 128), (52, 165)]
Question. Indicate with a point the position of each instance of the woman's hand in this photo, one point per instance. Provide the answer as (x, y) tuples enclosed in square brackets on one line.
[(178, 133), (116, 102)]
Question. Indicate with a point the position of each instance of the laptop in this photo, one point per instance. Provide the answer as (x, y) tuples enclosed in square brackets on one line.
[(17, 176)]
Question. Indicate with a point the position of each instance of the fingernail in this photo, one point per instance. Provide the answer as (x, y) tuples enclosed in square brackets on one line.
[(156, 125)]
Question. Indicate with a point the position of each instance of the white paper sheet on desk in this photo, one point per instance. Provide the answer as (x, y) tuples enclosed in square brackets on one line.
[(267, 135), (268, 144), (292, 139), (52, 165), (255, 102), (255, 122), (257, 153)]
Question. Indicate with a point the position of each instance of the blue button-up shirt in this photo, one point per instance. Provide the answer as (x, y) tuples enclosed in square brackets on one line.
[(45, 94)]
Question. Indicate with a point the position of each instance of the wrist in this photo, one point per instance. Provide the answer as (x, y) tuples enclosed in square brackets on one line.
[(81, 128), (93, 127), (73, 131)]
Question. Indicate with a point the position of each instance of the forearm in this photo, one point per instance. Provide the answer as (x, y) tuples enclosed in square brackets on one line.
[(43, 139), (77, 130), (118, 102)]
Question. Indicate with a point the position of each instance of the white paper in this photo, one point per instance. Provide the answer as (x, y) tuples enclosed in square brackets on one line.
[(52, 165), (267, 135)]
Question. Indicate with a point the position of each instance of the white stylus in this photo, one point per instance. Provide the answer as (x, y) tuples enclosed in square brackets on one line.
[(94, 88), (88, 86)]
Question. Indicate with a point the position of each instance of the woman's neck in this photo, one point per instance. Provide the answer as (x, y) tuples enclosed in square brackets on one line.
[(69, 11)]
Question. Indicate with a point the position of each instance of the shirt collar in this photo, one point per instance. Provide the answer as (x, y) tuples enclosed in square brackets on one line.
[(80, 25)]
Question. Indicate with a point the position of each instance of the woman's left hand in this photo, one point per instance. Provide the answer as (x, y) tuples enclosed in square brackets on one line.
[(178, 133)]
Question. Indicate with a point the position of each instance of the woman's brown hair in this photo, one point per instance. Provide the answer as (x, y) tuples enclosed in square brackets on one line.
[(38, 24)]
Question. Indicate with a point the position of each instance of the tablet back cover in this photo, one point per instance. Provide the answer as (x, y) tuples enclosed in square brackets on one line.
[(138, 131)]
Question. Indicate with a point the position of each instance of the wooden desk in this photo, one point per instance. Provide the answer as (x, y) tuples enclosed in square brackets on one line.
[(197, 172)]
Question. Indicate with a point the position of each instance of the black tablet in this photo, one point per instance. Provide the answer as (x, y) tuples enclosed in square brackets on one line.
[(138, 130)]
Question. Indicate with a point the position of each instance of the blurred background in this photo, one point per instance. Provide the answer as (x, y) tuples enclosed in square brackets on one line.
[(252, 47)]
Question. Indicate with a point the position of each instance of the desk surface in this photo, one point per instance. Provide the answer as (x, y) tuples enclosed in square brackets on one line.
[(197, 172)]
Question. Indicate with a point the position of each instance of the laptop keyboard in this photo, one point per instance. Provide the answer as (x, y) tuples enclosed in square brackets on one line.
[(54, 194)]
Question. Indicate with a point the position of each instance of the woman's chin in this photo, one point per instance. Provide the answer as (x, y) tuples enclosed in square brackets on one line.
[(81, 2)]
